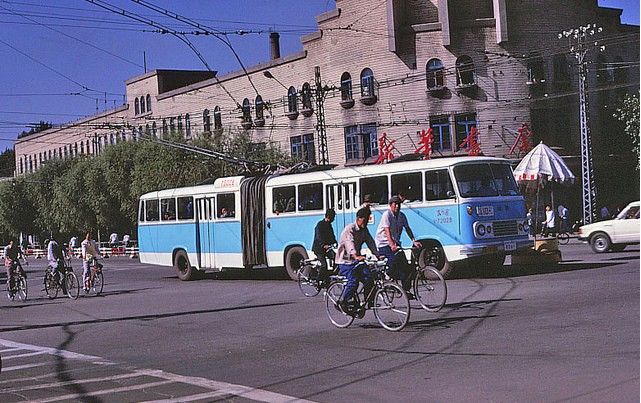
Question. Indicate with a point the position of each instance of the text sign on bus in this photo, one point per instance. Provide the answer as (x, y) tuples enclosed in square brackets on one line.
[(485, 211), (225, 183)]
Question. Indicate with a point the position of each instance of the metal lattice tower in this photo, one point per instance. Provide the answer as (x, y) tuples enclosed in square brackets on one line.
[(578, 40), (323, 157)]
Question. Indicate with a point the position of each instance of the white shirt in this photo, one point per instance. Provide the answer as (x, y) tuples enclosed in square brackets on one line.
[(549, 218), (89, 249), (395, 225), (113, 238)]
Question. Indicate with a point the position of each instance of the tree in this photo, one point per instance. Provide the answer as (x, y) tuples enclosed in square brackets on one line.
[(37, 128), (628, 114), (7, 162)]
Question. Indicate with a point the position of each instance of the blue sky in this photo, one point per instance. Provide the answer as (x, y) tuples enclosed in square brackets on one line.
[(65, 59)]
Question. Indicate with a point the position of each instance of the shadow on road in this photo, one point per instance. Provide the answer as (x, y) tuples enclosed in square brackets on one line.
[(242, 274), (529, 270), (62, 372)]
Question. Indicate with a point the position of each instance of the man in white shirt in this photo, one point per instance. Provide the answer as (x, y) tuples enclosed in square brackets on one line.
[(549, 221), (113, 240), (90, 253)]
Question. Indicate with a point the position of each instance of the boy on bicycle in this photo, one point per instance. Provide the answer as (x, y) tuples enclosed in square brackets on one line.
[(89, 254), (350, 260), (12, 254)]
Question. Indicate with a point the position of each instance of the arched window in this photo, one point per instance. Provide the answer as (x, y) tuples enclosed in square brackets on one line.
[(140, 133), (164, 127), (142, 104), (137, 106), (180, 124), (148, 103), (206, 121), (367, 83), (260, 106), (246, 110), (307, 98), (153, 129), (346, 87), (82, 149), (465, 71), (218, 119), (75, 149), (292, 100), (54, 151), (187, 126), (435, 74), (172, 125)]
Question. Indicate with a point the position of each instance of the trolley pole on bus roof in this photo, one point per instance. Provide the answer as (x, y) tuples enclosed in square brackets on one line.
[(321, 92)]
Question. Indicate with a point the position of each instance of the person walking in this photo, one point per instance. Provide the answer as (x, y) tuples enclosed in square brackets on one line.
[(548, 224)]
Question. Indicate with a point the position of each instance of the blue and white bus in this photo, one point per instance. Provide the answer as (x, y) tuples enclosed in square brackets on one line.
[(462, 209)]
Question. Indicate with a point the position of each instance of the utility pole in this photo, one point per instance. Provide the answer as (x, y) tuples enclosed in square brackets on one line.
[(580, 43), (323, 157)]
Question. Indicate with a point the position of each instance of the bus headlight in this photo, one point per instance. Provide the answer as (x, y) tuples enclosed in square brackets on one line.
[(480, 230)]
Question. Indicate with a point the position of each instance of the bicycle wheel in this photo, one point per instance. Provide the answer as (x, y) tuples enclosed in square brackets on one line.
[(392, 307), (563, 238), (21, 288), (334, 311), (97, 283), (72, 284), (430, 289), (307, 284), (51, 285)]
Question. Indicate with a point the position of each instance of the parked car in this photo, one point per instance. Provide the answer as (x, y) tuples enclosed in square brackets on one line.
[(613, 234)]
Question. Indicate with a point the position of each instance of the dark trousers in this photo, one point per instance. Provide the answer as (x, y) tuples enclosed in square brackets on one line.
[(398, 267), (355, 272), (323, 256)]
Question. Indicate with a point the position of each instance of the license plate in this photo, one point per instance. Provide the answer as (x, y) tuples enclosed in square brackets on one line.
[(509, 246), (485, 211)]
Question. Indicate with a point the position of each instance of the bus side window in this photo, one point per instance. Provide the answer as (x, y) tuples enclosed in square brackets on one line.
[(168, 209), (226, 205), (284, 199), (310, 197), (185, 208), (376, 187), (438, 185), (151, 210), (141, 214), (408, 186)]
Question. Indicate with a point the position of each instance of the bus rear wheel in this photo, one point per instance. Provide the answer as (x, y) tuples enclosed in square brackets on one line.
[(434, 255), (293, 259), (182, 266)]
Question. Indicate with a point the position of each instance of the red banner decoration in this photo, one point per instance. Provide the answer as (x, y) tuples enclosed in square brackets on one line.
[(471, 143), (523, 140), (385, 149), (426, 142)]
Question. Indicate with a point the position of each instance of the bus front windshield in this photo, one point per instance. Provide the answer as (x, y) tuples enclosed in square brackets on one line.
[(485, 180)]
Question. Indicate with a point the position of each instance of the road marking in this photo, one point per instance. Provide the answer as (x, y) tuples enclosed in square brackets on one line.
[(6, 350), (74, 382), (25, 366), (8, 357), (217, 388)]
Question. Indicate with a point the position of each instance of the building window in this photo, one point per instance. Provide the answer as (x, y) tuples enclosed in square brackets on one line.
[(180, 124), (346, 87), (260, 109), (535, 71), (465, 71), (75, 149), (561, 71), (164, 127), (148, 103), (292, 100), (434, 75), (137, 106), (604, 73), (218, 119), (367, 83), (172, 125), (464, 124), (206, 121), (303, 147), (361, 142), (142, 104), (82, 149), (153, 129), (307, 99), (188, 126), (247, 114), (441, 130), (147, 131)]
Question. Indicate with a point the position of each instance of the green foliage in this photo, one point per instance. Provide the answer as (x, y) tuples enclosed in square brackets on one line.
[(628, 114), (69, 197), (37, 128), (7, 162)]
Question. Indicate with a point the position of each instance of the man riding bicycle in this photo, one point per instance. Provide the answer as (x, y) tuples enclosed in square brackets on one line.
[(56, 258), (349, 258), (324, 238), (12, 254), (89, 254), (388, 242)]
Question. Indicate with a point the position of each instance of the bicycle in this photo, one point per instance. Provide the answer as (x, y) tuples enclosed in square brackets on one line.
[(17, 282), (309, 281), (95, 282), (67, 281), (390, 303), (428, 283), (563, 237)]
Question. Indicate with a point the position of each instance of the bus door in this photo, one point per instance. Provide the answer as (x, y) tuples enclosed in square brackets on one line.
[(205, 240), (342, 198)]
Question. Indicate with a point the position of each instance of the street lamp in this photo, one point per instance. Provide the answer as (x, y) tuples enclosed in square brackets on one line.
[(269, 75)]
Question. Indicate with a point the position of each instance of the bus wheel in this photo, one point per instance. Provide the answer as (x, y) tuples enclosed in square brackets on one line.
[(182, 266), (293, 258), (435, 256)]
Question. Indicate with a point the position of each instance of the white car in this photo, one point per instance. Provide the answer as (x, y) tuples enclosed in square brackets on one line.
[(613, 234)]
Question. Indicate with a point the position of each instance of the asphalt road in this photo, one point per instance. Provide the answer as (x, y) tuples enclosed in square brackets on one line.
[(559, 333)]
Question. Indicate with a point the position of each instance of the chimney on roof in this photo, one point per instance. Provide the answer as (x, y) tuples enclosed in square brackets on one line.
[(274, 41)]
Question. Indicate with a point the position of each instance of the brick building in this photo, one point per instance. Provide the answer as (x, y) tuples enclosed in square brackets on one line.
[(392, 66)]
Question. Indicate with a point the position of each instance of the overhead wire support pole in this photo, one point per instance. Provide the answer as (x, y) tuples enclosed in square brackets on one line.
[(320, 118), (579, 46)]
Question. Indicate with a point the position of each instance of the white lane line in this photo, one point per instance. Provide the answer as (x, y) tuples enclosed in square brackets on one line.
[(9, 357), (191, 398), (25, 366), (74, 382), (6, 350), (101, 392), (52, 351)]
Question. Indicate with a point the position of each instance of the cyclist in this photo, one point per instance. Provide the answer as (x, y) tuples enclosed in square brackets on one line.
[(89, 254), (12, 254), (388, 242), (56, 259), (324, 238), (350, 260)]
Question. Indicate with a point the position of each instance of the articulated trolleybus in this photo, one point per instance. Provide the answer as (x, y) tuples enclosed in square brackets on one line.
[(462, 209)]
